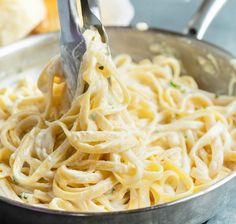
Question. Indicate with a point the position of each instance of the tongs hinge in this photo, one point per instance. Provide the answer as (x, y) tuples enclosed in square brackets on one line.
[(72, 42)]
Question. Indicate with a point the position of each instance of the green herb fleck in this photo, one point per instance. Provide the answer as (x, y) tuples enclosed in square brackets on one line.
[(174, 85), (101, 67), (183, 91), (217, 96), (23, 195), (14, 180), (185, 136), (109, 81), (93, 117), (113, 190), (19, 70), (177, 115)]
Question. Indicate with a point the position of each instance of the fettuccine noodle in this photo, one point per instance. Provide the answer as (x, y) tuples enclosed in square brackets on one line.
[(139, 135)]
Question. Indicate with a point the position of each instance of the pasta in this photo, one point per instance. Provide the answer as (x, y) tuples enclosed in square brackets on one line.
[(139, 135)]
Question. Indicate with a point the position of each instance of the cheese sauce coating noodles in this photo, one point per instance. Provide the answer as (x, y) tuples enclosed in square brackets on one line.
[(139, 135)]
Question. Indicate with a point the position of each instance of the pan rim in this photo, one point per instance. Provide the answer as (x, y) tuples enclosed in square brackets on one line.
[(37, 38), (49, 211)]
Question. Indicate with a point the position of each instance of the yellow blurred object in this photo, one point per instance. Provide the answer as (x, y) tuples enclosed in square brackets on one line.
[(51, 22)]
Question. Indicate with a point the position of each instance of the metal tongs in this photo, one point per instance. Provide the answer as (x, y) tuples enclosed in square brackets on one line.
[(72, 42)]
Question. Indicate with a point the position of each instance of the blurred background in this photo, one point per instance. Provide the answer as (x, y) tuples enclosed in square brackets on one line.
[(174, 15), (26, 17)]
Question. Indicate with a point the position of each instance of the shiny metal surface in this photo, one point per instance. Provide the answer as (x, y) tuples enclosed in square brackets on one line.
[(92, 17), (72, 44), (200, 21), (194, 209)]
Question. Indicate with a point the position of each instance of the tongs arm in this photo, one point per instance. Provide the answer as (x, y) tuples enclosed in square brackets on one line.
[(69, 20), (72, 45), (92, 17), (72, 42)]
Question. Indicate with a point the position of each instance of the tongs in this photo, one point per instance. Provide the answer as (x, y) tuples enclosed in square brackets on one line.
[(72, 42)]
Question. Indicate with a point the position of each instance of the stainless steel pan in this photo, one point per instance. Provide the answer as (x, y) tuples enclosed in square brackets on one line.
[(211, 66)]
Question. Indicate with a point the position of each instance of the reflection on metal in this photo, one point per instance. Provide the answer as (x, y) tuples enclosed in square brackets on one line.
[(203, 17)]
